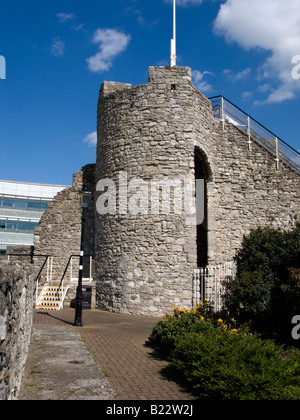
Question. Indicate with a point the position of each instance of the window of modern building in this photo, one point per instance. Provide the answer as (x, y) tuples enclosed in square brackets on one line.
[(9, 204), (23, 205), (15, 226), (11, 226), (20, 205)]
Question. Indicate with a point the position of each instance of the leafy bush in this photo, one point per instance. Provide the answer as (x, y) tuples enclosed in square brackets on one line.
[(224, 365), (166, 334), (223, 362), (265, 292)]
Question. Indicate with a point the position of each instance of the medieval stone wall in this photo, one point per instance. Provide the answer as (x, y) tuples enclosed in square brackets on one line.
[(149, 133), (59, 232), (16, 309), (245, 190)]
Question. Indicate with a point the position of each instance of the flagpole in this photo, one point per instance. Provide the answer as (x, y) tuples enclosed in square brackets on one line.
[(173, 41), (174, 21)]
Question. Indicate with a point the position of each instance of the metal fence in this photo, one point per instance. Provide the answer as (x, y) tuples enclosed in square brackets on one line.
[(208, 283), (256, 132)]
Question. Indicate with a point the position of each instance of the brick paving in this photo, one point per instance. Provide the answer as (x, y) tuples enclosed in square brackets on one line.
[(117, 343)]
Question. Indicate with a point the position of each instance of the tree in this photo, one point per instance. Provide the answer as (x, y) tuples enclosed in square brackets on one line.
[(265, 293)]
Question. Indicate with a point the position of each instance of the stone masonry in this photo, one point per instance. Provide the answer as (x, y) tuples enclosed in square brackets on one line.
[(59, 232), (165, 131), (16, 303)]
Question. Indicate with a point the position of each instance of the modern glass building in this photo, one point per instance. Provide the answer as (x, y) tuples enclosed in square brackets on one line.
[(21, 207)]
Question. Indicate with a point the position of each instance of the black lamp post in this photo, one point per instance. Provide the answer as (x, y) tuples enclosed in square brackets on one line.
[(84, 199)]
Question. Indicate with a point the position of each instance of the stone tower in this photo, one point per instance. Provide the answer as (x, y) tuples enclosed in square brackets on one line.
[(154, 141)]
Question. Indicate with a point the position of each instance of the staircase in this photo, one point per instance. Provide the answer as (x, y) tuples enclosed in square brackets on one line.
[(51, 298)]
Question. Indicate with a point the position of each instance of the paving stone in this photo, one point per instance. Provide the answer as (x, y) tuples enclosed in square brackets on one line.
[(117, 364), (59, 367)]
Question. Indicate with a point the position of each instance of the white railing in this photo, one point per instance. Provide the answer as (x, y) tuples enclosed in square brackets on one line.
[(89, 265), (256, 132), (70, 275), (208, 283), (49, 272)]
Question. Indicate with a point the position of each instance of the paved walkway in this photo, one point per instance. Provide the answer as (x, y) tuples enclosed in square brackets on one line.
[(117, 343), (59, 367)]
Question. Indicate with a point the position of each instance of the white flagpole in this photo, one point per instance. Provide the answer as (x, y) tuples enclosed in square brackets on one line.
[(174, 20), (173, 41)]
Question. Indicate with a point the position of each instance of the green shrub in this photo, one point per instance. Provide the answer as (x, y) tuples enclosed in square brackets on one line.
[(166, 334), (225, 365), (223, 362), (265, 292)]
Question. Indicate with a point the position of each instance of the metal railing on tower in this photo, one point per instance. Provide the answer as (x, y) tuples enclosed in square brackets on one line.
[(226, 111)]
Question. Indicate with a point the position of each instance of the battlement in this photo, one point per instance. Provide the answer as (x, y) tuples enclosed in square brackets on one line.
[(110, 87), (156, 74)]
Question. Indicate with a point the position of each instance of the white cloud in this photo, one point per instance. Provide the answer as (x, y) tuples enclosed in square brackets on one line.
[(91, 139), (265, 87), (65, 17), (271, 25), (246, 95), (201, 85), (58, 47), (140, 18), (234, 77), (111, 43), (78, 27)]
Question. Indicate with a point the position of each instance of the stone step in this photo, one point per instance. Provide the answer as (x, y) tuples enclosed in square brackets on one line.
[(51, 297), (48, 307)]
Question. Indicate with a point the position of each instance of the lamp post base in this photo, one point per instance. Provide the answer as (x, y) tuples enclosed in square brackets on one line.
[(78, 310)]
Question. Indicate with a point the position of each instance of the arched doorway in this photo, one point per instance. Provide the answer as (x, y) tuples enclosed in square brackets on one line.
[(202, 171)]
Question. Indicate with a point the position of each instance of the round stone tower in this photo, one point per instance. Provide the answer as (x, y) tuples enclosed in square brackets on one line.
[(155, 222), (146, 232)]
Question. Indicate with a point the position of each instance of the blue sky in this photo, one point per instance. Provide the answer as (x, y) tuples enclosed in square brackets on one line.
[(58, 53)]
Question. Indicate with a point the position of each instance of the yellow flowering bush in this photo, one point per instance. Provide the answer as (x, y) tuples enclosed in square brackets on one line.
[(220, 360), (204, 312)]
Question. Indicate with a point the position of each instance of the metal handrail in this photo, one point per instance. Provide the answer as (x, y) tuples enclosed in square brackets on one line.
[(253, 128), (66, 269), (39, 275), (64, 273), (31, 256)]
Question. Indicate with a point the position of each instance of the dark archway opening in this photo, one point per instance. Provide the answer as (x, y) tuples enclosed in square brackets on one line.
[(202, 171)]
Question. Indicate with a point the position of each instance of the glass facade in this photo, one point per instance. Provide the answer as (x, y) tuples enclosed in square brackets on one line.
[(21, 208), (23, 205), (16, 226)]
